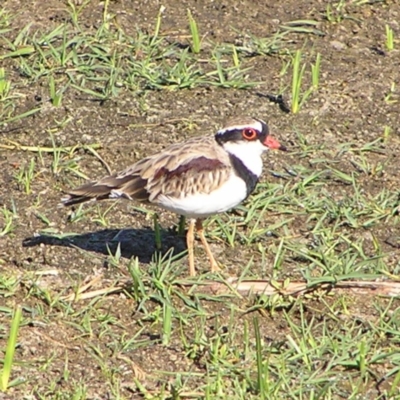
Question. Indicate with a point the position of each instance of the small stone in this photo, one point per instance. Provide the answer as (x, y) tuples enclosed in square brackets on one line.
[(338, 45)]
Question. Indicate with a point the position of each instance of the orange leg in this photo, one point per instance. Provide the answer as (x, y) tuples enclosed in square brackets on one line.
[(189, 243), (200, 231)]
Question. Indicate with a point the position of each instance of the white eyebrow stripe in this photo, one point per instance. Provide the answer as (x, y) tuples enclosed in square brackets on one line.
[(257, 125)]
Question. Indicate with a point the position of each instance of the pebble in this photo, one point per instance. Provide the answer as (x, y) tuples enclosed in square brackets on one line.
[(338, 45)]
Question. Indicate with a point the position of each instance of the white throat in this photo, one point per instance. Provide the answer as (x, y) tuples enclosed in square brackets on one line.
[(249, 153)]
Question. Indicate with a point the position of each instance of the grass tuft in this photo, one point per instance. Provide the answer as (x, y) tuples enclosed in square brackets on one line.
[(298, 69), (10, 351), (194, 32)]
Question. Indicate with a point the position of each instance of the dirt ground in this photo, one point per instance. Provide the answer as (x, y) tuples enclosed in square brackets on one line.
[(49, 253)]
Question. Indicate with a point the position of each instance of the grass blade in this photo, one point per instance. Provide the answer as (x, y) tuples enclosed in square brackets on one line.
[(10, 350)]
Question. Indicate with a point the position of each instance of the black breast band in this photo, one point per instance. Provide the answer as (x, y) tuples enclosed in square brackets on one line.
[(243, 172)]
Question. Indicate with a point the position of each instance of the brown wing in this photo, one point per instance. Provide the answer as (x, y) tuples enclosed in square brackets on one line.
[(198, 165)]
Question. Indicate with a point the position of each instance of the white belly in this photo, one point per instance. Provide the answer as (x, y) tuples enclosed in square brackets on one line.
[(203, 205)]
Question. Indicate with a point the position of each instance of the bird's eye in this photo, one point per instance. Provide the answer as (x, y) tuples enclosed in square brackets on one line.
[(249, 134)]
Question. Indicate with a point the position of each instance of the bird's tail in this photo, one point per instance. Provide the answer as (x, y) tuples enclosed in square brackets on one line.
[(88, 192), (111, 187)]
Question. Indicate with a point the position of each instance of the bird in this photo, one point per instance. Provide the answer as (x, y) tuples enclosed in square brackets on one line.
[(200, 177)]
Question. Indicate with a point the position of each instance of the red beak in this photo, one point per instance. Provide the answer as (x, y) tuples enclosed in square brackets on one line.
[(273, 144)]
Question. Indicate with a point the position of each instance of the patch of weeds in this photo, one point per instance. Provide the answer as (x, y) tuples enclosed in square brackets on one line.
[(299, 98), (335, 12), (177, 75), (229, 77), (18, 117), (271, 304), (75, 10), (77, 389), (391, 97), (101, 218), (224, 230), (333, 253), (9, 284), (7, 220), (157, 284), (303, 26), (160, 300), (25, 176), (19, 46), (85, 61), (5, 18), (45, 295), (252, 45), (138, 288), (268, 200), (303, 349), (64, 159), (362, 164)]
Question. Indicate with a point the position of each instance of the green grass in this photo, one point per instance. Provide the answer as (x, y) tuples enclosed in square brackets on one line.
[(389, 38), (101, 63), (390, 97), (25, 176), (10, 351), (335, 13), (299, 97), (7, 218), (194, 31)]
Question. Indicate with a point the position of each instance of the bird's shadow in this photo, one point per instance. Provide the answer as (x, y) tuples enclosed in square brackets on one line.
[(138, 243)]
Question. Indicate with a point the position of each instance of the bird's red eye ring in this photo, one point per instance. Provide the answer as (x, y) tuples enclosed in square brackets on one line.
[(249, 133)]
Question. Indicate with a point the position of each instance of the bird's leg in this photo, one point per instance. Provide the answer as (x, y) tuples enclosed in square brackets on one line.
[(181, 225), (189, 243), (200, 231)]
